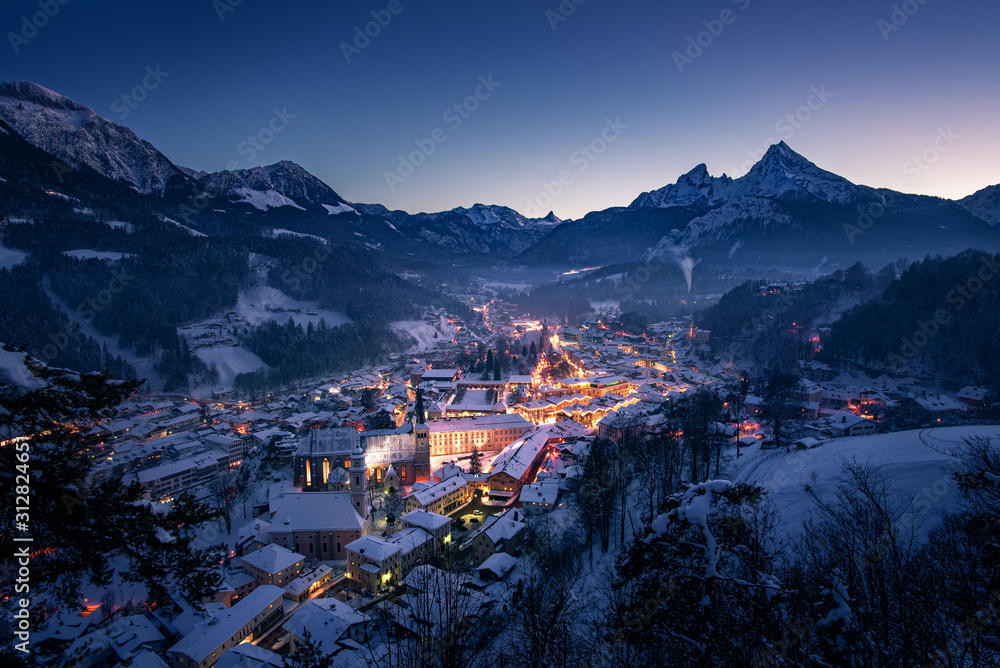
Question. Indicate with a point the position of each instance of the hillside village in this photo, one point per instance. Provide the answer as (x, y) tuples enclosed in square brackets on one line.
[(349, 506)]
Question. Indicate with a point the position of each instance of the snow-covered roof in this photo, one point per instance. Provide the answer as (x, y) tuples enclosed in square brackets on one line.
[(426, 520), (317, 511), (209, 637), (273, 558), (373, 547), (499, 564), (436, 491)]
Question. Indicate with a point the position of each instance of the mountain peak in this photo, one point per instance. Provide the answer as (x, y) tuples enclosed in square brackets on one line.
[(696, 188), (781, 174), (29, 91)]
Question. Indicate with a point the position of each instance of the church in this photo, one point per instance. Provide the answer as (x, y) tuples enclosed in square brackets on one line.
[(326, 460)]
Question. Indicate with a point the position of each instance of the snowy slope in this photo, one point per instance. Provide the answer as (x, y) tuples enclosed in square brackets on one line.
[(919, 463), (984, 204), (426, 336), (76, 134), (10, 257), (231, 362), (14, 373)]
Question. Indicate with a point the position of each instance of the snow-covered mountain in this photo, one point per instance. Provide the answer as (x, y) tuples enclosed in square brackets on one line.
[(696, 188), (984, 204), (480, 229), (281, 184), (784, 212), (78, 136), (782, 174)]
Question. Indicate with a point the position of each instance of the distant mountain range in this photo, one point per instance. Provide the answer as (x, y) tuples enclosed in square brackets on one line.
[(785, 212)]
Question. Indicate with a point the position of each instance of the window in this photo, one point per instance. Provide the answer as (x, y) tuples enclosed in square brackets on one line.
[(338, 547)]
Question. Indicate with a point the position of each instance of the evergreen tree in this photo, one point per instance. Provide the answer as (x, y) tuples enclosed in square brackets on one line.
[(382, 420), (309, 655), (496, 368), (85, 523), (475, 461)]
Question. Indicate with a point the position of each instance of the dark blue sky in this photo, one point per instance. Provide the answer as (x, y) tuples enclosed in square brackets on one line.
[(887, 94)]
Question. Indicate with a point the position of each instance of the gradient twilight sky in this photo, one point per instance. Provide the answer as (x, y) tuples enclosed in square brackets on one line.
[(889, 98)]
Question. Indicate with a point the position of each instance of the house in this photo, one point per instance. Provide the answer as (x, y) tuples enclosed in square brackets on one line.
[(517, 464), (309, 581), (441, 497), (438, 526), (539, 497), (974, 396), (244, 621), (499, 533), (317, 524), (375, 564), (114, 643), (250, 656), (497, 566), (848, 424), (273, 565), (329, 622), (235, 585), (723, 434), (940, 404)]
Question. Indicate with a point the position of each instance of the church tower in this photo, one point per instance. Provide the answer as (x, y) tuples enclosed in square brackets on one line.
[(421, 452), (359, 482)]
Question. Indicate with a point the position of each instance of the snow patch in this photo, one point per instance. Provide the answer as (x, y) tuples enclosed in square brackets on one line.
[(10, 257), (15, 373), (340, 208), (289, 233), (87, 254), (265, 199)]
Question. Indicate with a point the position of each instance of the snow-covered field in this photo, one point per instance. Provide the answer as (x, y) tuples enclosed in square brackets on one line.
[(300, 235), (427, 336), (920, 463), (231, 361), (9, 257), (262, 303), (257, 305), (87, 254)]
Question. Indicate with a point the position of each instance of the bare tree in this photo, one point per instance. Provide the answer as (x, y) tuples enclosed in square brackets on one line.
[(221, 488)]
